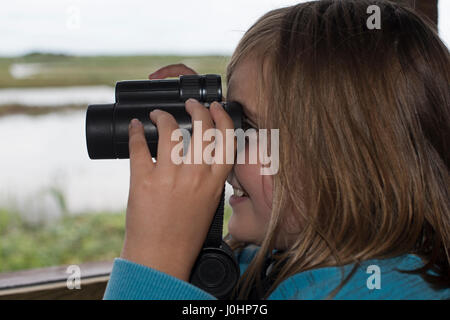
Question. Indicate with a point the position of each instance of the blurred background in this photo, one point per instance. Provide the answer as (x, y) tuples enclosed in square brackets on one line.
[(57, 56)]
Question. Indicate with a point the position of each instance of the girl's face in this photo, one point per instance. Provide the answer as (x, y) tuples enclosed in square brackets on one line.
[(251, 212)]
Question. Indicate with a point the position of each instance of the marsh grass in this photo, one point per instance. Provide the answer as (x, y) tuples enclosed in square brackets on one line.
[(62, 70), (71, 238)]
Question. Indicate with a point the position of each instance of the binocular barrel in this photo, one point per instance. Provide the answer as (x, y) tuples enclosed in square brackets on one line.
[(107, 124), (206, 88)]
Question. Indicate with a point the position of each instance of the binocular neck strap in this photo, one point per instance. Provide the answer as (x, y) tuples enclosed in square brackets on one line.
[(214, 237)]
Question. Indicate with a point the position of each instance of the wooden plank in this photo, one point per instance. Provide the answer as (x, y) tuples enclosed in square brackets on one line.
[(51, 283), (92, 289)]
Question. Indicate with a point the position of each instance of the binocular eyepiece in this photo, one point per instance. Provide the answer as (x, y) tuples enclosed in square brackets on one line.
[(107, 124)]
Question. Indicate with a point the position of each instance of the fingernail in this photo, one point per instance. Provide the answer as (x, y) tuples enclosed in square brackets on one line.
[(152, 114), (135, 123), (192, 100), (216, 104)]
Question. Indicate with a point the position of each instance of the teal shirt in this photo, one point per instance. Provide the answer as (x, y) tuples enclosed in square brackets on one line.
[(129, 280)]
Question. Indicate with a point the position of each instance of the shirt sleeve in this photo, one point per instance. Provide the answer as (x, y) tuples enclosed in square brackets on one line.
[(132, 281)]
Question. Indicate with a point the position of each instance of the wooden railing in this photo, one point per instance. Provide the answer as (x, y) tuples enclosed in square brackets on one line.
[(52, 283)]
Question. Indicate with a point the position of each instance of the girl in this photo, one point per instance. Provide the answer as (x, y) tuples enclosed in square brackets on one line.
[(359, 208)]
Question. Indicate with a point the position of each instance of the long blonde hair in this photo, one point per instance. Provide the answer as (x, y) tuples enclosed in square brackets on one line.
[(364, 126)]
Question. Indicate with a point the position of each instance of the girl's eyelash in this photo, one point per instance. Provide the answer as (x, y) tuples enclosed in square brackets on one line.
[(246, 124)]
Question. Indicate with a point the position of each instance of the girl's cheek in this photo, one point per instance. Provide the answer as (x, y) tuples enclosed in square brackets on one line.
[(267, 190), (258, 186)]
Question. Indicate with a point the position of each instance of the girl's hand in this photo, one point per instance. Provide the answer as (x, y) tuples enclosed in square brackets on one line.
[(172, 70), (170, 207)]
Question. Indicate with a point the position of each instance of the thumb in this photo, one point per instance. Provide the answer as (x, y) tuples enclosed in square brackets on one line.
[(172, 70)]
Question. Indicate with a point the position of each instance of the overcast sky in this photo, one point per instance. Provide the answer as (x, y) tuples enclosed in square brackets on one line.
[(111, 27)]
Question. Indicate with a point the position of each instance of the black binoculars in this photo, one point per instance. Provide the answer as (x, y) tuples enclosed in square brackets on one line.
[(107, 124), (216, 269)]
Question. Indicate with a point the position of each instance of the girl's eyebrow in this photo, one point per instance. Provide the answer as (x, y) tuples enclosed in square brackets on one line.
[(250, 121)]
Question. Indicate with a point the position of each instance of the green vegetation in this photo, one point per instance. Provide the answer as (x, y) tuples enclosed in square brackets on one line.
[(70, 239), (67, 240), (63, 70)]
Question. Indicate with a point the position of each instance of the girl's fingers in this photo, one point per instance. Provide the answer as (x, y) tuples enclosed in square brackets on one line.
[(173, 70), (225, 147), (201, 121), (166, 125), (140, 158)]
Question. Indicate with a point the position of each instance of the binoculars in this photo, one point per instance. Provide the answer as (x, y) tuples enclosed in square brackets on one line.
[(216, 269), (107, 124)]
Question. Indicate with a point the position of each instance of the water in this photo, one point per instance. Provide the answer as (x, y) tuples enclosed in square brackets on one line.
[(57, 96), (49, 151)]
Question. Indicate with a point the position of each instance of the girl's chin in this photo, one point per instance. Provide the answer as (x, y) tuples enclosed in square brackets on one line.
[(240, 227)]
